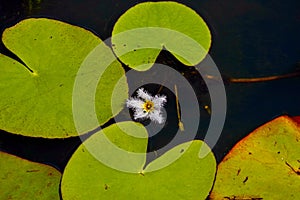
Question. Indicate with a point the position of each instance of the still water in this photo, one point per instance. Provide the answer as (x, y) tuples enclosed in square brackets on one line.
[(249, 39)]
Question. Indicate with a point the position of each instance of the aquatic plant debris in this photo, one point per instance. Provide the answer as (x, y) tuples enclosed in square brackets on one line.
[(146, 106)]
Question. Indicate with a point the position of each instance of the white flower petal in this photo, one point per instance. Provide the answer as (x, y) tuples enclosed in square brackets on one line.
[(156, 116), (140, 114), (159, 101), (138, 103), (134, 103), (144, 95)]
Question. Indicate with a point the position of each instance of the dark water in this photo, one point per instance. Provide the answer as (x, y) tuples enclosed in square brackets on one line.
[(251, 38)]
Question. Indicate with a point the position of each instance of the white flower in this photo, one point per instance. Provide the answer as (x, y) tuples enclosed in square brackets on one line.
[(146, 106)]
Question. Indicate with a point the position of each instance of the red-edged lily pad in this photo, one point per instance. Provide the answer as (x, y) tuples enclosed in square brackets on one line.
[(23, 179), (264, 165)]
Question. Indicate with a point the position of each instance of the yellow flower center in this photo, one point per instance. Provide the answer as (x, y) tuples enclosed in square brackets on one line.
[(148, 106)]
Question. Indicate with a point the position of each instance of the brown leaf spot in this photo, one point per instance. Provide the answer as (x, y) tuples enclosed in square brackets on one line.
[(33, 170), (245, 180), (238, 172), (296, 171), (142, 174), (243, 198), (49, 184)]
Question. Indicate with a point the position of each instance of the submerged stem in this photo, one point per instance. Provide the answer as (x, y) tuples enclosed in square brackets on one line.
[(262, 79), (180, 124)]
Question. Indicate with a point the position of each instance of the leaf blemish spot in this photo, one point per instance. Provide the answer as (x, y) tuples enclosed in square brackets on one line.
[(33, 170), (295, 171), (246, 179), (238, 172), (106, 187)]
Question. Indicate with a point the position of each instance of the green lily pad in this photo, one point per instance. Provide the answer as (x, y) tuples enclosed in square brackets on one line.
[(264, 165), (145, 29), (36, 97), (100, 170), (23, 179)]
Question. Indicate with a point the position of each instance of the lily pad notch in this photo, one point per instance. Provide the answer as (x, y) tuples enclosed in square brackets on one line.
[(169, 25), (37, 98), (100, 176)]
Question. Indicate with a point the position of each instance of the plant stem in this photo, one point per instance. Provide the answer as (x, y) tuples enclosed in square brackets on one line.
[(180, 124), (262, 79)]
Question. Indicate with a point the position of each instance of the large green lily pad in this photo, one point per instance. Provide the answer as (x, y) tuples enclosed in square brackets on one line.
[(145, 29), (23, 179), (36, 97), (264, 165), (99, 170)]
